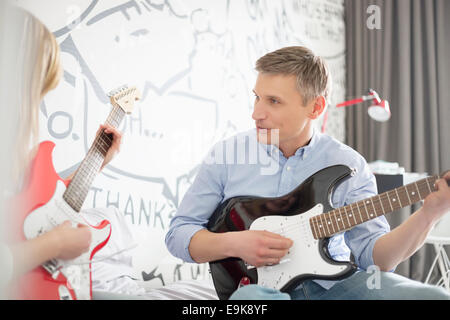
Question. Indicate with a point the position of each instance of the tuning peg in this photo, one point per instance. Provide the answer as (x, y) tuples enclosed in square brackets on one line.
[(117, 90), (112, 93)]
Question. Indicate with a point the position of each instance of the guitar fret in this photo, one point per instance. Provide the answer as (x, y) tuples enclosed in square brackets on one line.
[(418, 190), (396, 201), (428, 185), (425, 188), (319, 228), (321, 224), (346, 215), (350, 214), (381, 202), (413, 195), (330, 222), (359, 211), (389, 199), (335, 218), (326, 224), (342, 219), (354, 215), (373, 206), (78, 188), (399, 200), (407, 193), (367, 213), (313, 220), (339, 219), (313, 225)]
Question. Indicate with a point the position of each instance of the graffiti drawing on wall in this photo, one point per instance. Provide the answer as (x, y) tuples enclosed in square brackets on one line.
[(193, 61)]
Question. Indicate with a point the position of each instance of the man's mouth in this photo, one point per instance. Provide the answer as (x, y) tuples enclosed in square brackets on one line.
[(262, 130)]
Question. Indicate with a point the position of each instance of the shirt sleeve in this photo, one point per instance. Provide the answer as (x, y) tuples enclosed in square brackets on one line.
[(361, 239), (197, 206)]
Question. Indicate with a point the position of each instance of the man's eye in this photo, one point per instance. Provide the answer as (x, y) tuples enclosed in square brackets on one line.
[(273, 101)]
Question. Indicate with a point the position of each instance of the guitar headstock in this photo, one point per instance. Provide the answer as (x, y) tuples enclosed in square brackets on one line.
[(124, 97)]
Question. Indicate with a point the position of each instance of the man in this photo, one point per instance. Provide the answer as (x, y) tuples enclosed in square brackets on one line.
[(291, 91)]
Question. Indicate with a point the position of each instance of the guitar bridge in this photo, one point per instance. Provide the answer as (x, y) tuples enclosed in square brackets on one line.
[(52, 267)]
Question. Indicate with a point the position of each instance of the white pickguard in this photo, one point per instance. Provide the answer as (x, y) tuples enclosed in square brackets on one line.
[(52, 214), (303, 257)]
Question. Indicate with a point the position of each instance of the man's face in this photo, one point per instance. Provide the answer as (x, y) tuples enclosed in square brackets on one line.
[(279, 105)]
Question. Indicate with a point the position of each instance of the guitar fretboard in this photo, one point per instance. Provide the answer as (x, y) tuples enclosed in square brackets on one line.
[(338, 220), (78, 188)]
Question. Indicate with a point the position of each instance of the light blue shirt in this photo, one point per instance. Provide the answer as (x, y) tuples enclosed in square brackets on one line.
[(241, 166)]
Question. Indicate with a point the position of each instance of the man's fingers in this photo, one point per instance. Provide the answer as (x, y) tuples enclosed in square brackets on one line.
[(442, 183), (276, 241), (275, 253), (280, 244), (272, 261), (446, 178)]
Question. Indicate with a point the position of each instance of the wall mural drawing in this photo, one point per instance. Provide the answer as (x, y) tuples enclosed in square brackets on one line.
[(193, 61)]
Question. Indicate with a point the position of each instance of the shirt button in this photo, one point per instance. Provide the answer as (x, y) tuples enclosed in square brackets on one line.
[(288, 168)]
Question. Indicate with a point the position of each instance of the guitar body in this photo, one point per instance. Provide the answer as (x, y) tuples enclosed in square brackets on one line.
[(39, 208), (289, 216)]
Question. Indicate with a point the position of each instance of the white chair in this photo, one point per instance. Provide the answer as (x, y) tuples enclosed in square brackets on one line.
[(439, 237)]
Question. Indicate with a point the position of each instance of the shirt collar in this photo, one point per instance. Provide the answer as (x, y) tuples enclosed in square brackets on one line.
[(303, 152), (306, 150)]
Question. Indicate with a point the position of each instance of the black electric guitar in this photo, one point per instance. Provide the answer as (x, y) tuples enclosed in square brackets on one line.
[(306, 216)]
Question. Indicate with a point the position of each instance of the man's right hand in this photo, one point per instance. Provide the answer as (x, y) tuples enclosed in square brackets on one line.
[(261, 248), (255, 247)]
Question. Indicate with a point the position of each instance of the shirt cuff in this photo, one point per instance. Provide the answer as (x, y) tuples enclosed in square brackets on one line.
[(367, 259), (184, 234)]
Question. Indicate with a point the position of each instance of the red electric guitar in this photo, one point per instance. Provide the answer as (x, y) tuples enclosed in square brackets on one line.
[(47, 200)]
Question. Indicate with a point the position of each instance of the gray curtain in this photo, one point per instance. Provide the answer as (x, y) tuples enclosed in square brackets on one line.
[(407, 61)]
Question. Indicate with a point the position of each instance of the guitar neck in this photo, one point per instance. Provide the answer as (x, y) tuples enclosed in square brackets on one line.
[(78, 188), (338, 220)]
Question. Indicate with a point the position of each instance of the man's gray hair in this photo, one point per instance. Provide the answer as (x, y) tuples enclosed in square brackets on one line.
[(313, 76)]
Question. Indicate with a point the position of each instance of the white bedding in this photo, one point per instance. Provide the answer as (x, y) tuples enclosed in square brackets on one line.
[(113, 275), (180, 290)]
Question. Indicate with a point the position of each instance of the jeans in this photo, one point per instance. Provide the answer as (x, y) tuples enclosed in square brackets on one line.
[(359, 286)]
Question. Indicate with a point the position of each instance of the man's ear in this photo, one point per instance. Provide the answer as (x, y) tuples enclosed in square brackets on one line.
[(318, 106)]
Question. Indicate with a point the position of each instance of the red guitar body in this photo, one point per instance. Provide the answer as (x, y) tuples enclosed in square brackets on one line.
[(37, 199)]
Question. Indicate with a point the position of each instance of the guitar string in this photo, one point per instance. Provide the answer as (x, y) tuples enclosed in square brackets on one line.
[(79, 187), (315, 223), (100, 138), (419, 185), (356, 205), (359, 205)]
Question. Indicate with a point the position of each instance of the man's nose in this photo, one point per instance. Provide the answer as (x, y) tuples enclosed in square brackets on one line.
[(258, 112)]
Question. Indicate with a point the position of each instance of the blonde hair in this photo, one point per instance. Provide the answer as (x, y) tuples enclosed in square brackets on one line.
[(313, 76), (41, 71)]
